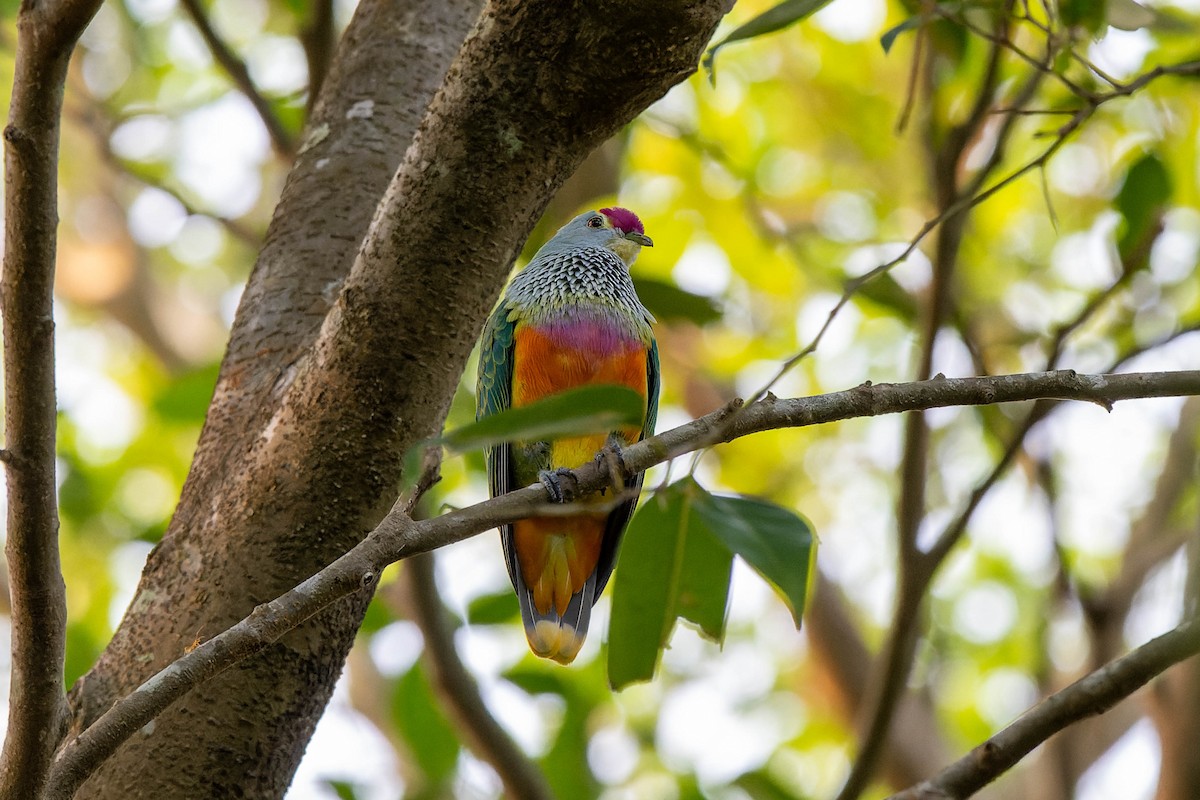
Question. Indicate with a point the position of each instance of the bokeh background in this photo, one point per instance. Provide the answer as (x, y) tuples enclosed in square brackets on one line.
[(804, 165)]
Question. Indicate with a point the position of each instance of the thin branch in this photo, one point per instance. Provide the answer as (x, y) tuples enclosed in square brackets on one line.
[(954, 531), (1017, 111), (459, 691), (37, 703), (431, 473), (965, 203), (1184, 329), (398, 537), (1152, 539), (917, 569), (1042, 65), (892, 669), (319, 39), (281, 140), (910, 90), (1087, 697)]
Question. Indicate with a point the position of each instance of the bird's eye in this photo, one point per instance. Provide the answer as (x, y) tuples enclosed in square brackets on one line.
[(595, 222)]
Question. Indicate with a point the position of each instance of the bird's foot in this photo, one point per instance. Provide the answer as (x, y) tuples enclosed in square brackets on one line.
[(612, 455), (560, 484)]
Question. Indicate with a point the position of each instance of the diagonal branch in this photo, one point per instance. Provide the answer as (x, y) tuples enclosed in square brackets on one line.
[(1087, 697), (398, 537), (37, 708), (281, 140)]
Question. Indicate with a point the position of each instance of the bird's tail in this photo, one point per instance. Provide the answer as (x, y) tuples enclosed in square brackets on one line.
[(550, 634)]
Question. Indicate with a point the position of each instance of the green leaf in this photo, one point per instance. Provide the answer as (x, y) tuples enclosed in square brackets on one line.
[(677, 561), (671, 566), (641, 608), (776, 542), (702, 594), (773, 19), (886, 292), (1142, 200), (1128, 15), (669, 303), (888, 39), (588, 409)]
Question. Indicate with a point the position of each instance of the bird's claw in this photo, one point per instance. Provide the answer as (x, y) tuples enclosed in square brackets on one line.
[(560, 490), (613, 456)]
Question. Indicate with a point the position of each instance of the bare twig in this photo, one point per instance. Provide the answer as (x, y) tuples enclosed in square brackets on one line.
[(281, 140), (37, 709), (953, 532), (910, 90), (1042, 65), (460, 693), (1087, 697), (398, 537)]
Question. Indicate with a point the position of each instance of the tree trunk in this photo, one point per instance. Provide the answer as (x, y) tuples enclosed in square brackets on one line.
[(244, 530), (337, 364)]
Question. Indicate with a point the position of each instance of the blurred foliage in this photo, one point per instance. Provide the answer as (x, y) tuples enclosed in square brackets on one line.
[(765, 193)]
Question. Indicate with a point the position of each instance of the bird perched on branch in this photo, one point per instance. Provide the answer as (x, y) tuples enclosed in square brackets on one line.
[(570, 318)]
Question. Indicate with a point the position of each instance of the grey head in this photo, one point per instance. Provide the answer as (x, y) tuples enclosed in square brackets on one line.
[(616, 229)]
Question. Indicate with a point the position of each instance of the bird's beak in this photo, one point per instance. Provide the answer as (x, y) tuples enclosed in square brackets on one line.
[(640, 238)]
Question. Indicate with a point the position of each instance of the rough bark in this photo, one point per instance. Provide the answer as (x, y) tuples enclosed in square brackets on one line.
[(45, 38), (214, 563), (314, 406)]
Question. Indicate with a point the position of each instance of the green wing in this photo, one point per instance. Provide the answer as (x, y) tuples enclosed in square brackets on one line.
[(493, 392), (652, 386)]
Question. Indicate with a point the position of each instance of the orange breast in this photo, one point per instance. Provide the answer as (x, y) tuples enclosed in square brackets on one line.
[(557, 554), (546, 363)]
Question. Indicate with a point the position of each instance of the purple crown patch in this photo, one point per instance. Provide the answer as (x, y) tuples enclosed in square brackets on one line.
[(623, 219)]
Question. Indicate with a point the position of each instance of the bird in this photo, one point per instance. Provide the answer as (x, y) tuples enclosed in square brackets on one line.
[(570, 318)]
